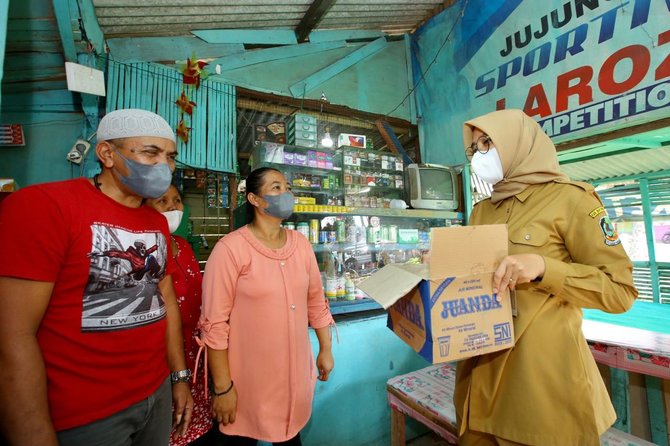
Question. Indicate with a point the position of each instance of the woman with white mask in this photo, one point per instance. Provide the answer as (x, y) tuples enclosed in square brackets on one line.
[(564, 255), (187, 282)]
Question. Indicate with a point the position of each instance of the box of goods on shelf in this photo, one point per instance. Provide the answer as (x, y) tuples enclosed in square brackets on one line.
[(302, 130), (348, 139), (270, 132), (313, 173), (269, 153), (371, 179)]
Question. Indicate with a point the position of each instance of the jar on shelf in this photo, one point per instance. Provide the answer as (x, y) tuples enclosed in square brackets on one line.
[(303, 228)]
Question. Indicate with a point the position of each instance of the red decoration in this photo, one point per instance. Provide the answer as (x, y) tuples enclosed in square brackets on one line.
[(185, 104), (194, 71), (183, 132)]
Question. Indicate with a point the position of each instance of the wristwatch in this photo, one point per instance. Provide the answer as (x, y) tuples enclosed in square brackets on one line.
[(181, 376)]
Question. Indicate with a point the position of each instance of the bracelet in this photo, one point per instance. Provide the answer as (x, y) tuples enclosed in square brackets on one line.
[(225, 391)]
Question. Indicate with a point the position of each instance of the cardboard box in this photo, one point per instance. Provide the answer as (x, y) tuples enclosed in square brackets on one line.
[(321, 160), (274, 153), (347, 139), (311, 158), (304, 143), (270, 132), (300, 118), (447, 311)]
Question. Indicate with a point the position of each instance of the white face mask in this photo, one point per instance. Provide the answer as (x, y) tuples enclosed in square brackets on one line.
[(173, 218), (487, 166)]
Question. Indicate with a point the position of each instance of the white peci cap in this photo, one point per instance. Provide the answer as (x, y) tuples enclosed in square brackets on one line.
[(131, 122)]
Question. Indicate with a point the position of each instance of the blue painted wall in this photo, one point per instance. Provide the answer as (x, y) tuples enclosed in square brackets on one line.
[(49, 135), (351, 407), (4, 7)]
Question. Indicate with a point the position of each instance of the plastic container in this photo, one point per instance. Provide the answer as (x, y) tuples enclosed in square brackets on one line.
[(303, 228)]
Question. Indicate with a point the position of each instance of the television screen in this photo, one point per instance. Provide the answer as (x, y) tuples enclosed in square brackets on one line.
[(436, 184), (431, 186)]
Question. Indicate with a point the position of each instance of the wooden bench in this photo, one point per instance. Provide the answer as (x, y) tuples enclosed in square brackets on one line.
[(426, 395)]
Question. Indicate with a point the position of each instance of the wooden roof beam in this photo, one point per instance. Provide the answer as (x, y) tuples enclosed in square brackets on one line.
[(312, 17)]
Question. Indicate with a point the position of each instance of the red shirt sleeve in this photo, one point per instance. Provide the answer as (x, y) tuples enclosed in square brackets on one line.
[(32, 236)]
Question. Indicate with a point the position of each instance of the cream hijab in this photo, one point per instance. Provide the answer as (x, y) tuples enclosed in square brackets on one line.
[(527, 154)]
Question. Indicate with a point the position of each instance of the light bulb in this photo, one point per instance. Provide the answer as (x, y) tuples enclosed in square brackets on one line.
[(327, 141)]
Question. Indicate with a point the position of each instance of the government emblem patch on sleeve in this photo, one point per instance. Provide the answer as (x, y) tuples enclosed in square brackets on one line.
[(607, 228)]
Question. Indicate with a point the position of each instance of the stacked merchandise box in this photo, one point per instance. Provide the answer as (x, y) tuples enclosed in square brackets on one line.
[(302, 130), (270, 132)]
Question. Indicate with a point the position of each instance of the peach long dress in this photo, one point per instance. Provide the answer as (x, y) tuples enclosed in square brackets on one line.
[(257, 303)]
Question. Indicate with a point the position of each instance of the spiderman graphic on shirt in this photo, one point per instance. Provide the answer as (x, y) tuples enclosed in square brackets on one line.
[(140, 258)]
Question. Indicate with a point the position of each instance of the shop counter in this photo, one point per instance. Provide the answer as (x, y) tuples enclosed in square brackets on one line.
[(635, 341)]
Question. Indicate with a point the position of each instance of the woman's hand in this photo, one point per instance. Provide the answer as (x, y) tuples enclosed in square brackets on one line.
[(224, 407), (517, 269), (325, 364)]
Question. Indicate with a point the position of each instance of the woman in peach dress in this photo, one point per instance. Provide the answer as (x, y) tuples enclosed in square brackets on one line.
[(261, 290)]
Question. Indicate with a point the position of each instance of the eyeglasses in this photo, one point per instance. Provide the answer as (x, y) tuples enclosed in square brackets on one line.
[(481, 145)]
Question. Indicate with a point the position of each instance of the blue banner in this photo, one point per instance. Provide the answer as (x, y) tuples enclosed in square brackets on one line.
[(579, 67)]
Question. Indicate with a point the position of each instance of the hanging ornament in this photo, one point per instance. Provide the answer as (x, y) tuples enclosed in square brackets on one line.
[(194, 71), (185, 104), (183, 131)]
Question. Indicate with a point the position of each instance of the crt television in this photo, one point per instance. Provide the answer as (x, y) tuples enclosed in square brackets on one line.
[(431, 186)]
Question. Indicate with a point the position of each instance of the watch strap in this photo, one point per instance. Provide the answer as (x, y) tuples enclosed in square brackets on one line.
[(182, 376)]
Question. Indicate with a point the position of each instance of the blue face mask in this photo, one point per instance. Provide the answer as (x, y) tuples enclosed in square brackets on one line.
[(280, 206), (146, 180)]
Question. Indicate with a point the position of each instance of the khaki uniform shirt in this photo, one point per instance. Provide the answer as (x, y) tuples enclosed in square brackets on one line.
[(547, 390)]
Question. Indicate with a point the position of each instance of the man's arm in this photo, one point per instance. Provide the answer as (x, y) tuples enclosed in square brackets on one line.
[(181, 392), (24, 410)]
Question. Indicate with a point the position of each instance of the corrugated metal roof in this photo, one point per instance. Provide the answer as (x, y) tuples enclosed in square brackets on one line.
[(624, 164), (641, 153), (129, 18)]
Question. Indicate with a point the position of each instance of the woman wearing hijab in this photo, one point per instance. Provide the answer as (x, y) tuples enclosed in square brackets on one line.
[(262, 288), (564, 255)]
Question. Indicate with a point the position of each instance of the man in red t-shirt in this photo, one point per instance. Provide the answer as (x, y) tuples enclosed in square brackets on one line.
[(90, 332)]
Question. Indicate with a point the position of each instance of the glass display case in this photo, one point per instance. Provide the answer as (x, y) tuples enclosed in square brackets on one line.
[(342, 208), (315, 174), (351, 245), (371, 178)]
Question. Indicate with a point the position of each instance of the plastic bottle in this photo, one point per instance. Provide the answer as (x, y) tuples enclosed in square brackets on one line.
[(330, 287), (340, 280), (349, 288)]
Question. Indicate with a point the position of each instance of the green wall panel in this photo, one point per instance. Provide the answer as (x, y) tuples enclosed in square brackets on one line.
[(153, 87)]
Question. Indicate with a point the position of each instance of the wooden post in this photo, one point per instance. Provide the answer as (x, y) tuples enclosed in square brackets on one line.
[(397, 427)]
